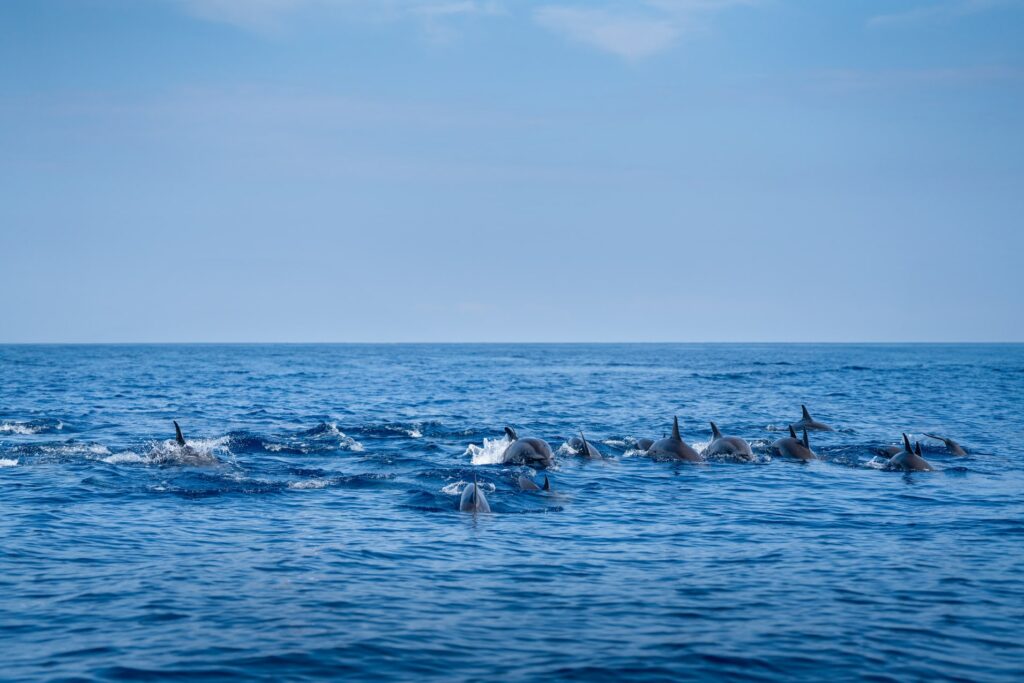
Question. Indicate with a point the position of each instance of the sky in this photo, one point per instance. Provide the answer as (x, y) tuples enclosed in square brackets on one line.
[(502, 170)]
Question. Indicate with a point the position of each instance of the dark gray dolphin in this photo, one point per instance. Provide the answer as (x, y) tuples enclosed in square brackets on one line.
[(908, 459), (953, 446), (584, 448), (185, 454), (674, 446), (889, 451), (792, 447), (809, 423), (727, 445), (644, 444), (473, 498), (530, 451), (527, 484)]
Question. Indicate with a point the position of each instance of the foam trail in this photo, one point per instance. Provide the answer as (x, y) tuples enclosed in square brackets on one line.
[(7, 462)]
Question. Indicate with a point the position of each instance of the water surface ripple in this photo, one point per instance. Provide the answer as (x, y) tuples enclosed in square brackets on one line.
[(326, 542)]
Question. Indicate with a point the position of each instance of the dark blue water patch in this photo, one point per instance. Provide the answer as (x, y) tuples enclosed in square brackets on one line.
[(323, 539)]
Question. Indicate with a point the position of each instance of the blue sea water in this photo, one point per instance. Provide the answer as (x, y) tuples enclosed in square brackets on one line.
[(325, 542)]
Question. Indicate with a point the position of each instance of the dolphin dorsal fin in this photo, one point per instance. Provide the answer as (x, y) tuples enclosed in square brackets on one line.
[(792, 432), (547, 484), (675, 428), (807, 415), (714, 431), (586, 446), (511, 433), (807, 444), (906, 444), (177, 434), (917, 448), (476, 490)]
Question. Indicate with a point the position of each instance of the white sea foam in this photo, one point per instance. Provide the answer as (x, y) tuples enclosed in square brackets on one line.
[(309, 484), (195, 452), (344, 441), (490, 453), (7, 462), (456, 487), (124, 458), (29, 428), (566, 449)]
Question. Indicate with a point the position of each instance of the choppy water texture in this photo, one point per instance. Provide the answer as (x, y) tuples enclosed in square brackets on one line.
[(326, 542)]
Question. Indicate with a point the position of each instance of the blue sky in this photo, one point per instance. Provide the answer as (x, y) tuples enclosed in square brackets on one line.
[(488, 170)]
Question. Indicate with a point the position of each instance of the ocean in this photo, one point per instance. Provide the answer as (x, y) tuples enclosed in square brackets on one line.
[(320, 537)]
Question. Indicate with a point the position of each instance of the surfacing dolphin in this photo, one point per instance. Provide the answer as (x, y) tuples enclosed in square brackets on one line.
[(473, 498), (188, 455), (792, 447), (728, 445), (809, 423), (530, 451), (674, 446), (584, 448), (527, 484), (644, 444), (908, 459), (952, 446)]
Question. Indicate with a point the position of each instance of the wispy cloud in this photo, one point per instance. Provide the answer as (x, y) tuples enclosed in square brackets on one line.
[(273, 15), (634, 32), (626, 36), (631, 30), (939, 11)]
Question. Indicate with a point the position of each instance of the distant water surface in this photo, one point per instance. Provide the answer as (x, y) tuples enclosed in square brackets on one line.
[(326, 542)]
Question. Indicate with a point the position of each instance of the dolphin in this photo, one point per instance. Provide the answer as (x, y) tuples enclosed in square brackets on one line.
[(473, 498), (889, 451), (187, 453), (527, 484), (674, 446), (909, 459), (792, 447), (644, 444), (530, 451), (583, 447), (727, 445), (953, 446), (809, 423)]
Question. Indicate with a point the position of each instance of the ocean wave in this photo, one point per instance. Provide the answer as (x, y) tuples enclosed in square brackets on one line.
[(30, 427), (8, 462)]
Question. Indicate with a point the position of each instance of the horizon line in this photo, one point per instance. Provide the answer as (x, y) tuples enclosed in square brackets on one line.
[(510, 343)]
